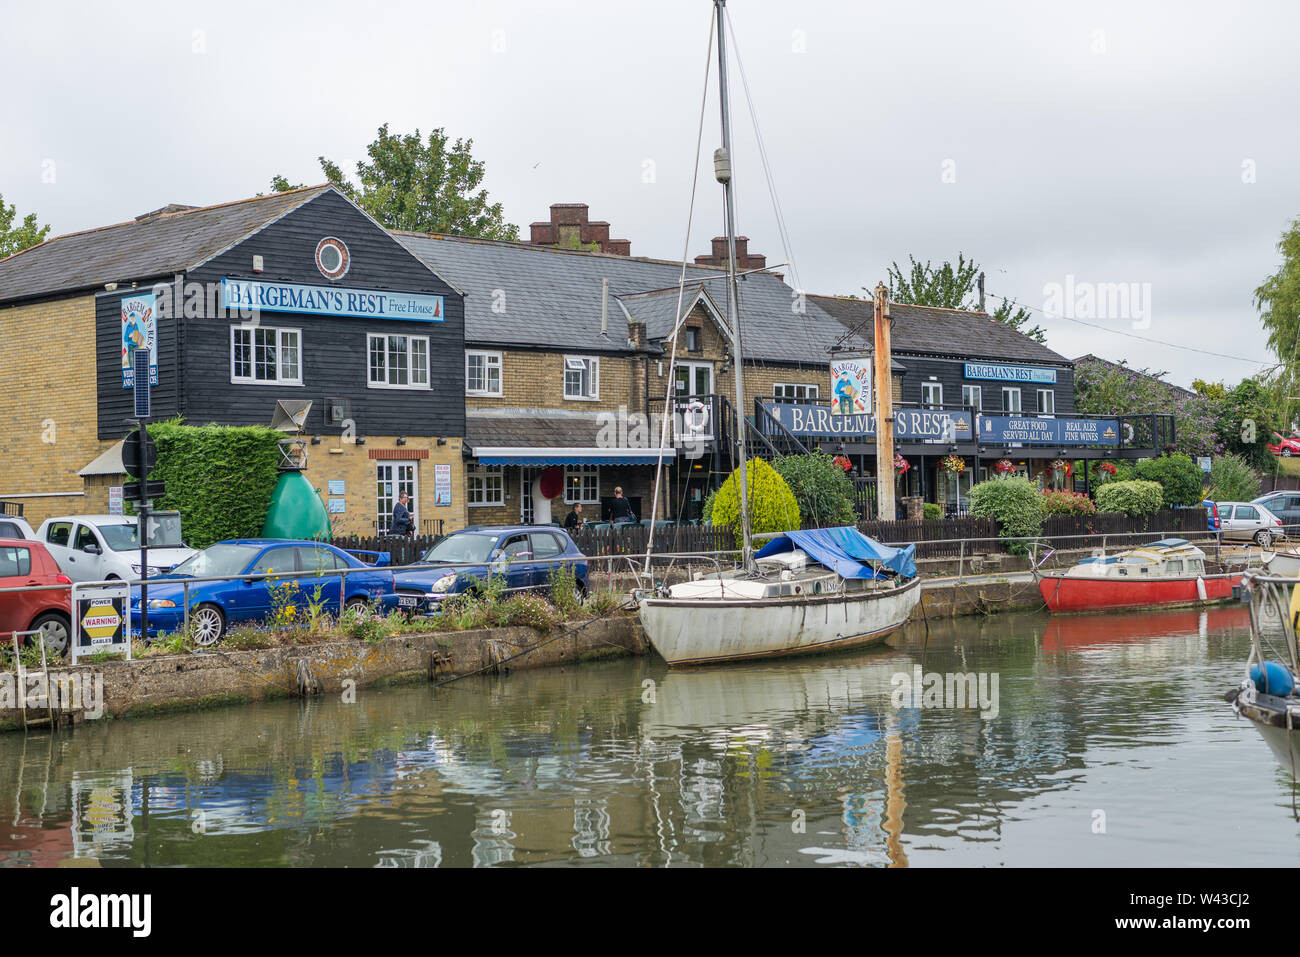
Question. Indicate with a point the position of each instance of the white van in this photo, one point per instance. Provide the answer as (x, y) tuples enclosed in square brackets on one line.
[(91, 548)]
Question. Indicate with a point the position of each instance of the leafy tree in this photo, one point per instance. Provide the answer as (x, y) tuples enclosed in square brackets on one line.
[(14, 239), (1247, 420), (952, 287), (1215, 391), (1278, 302), (772, 506), (1015, 503), (822, 490), (1101, 388), (426, 186), (1134, 499)]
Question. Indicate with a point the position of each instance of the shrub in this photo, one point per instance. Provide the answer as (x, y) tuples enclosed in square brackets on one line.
[(1016, 503), (1134, 499), (821, 488), (772, 506), (220, 478), (1178, 475), (1066, 503), (564, 591), (706, 511), (932, 511), (1232, 480)]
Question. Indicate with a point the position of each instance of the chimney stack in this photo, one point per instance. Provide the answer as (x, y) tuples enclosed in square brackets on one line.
[(745, 260), (569, 228)]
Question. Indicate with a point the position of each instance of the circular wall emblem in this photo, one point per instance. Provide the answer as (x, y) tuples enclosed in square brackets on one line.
[(332, 258)]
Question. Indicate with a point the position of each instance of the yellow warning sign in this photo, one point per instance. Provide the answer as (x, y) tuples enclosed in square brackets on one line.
[(101, 620)]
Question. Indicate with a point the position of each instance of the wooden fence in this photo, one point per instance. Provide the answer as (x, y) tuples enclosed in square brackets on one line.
[(934, 538)]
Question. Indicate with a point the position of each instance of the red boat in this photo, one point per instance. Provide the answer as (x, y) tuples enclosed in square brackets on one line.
[(1168, 572)]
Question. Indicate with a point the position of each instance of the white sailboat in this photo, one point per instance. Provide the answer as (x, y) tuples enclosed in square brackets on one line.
[(804, 591)]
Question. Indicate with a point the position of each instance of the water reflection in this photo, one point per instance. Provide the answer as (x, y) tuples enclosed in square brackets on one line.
[(803, 763)]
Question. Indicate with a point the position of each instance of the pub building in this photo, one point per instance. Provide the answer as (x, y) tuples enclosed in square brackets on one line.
[(345, 318)]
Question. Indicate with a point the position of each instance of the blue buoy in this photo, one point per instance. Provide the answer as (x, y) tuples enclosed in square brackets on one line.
[(1272, 678)]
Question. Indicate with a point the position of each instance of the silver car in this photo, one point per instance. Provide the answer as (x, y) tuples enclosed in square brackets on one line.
[(1249, 521)]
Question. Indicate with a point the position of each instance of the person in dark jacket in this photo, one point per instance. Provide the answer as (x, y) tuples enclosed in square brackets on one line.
[(402, 523), (574, 520), (621, 510)]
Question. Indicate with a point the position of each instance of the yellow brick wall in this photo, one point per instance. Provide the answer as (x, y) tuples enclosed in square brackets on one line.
[(360, 474), (535, 380), (49, 408)]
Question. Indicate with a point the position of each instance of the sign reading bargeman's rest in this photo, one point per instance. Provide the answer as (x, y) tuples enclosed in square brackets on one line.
[(1003, 429), (983, 370), (139, 331), (329, 300), (916, 424)]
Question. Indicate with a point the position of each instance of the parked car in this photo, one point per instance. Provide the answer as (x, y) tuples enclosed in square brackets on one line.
[(15, 526), (93, 548), (1211, 514), (527, 556), (1246, 521), (1283, 446), (215, 606), (25, 562), (1285, 505)]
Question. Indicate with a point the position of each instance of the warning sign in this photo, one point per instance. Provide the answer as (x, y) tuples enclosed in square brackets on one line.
[(101, 613)]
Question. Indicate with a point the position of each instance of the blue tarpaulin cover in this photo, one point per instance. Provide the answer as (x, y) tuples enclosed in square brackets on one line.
[(844, 549)]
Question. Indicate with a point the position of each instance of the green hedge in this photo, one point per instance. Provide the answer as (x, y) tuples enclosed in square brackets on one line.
[(1177, 474), (822, 489), (1134, 499), (1016, 503), (219, 478)]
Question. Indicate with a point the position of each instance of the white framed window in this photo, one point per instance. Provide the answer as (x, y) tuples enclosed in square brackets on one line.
[(972, 396), (581, 377), (483, 373), (932, 394), (794, 392), (265, 355), (1011, 400), (582, 486), (692, 339), (398, 362), (485, 485), (1046, 402)]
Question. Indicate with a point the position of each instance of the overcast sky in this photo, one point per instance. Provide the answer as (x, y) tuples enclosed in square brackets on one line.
[(1063, 146)]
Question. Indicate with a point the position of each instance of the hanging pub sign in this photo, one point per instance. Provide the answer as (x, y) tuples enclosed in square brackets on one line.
[(329, 300), (850, 386), (1000, 429), (139, 331), (914, 424)]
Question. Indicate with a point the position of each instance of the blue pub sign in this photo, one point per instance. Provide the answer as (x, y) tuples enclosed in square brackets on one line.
[(1001, 373)]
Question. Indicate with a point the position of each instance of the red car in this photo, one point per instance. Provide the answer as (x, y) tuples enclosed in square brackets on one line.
[(24, 562), (1283, 446)]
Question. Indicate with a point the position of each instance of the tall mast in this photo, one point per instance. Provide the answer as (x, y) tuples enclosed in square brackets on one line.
[(722, 168)]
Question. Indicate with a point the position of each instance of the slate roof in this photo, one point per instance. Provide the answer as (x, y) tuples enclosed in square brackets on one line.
[(154, 245), (550, 298), (929, 330), (529, 428)]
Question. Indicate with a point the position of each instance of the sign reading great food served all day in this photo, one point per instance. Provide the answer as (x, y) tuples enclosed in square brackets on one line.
[(982, 370), (329, 300), (1001, 428), (917, 424)]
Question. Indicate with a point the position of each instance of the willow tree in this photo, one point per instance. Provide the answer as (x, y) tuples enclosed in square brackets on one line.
[(1278, 302)]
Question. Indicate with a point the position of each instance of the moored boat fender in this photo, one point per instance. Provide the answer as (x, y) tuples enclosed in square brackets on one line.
[(1272, 678), (1200, 588)]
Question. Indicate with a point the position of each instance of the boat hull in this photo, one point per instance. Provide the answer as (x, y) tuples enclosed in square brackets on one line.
[(1283, 564), (708, 631), (1065, 593)]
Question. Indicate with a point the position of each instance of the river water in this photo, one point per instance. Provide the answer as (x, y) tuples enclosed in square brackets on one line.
[(1111, 745)]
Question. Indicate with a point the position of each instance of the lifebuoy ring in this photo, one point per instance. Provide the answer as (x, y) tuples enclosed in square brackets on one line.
[(696, 417)]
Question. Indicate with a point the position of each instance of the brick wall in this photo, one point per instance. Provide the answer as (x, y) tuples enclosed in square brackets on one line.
[(535, 380), (47, 402)]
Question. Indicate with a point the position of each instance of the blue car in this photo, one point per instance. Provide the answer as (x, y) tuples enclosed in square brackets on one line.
[(526, 556), (217, 605)]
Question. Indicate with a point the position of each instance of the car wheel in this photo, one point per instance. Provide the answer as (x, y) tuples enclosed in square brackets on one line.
[(1286, 453), (54, 628), (1263, 538), (356, 604), (581, 588), (208, 624)]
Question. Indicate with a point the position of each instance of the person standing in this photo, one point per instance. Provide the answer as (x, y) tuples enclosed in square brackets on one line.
[(621, 511), (402, 523), (574, 520)]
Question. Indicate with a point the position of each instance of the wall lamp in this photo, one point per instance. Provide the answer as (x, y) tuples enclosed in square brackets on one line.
[(361, 440), (315, 440), (401, 440), (442, 441)]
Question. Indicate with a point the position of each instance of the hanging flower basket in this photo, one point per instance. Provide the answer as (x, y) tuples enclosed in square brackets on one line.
[(1004, 466), (1107, 470), (1063, 467), (953, 463), (843, 462), (901, 464)]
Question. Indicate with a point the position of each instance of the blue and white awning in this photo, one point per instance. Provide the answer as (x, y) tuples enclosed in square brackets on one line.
[(571, 456)]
